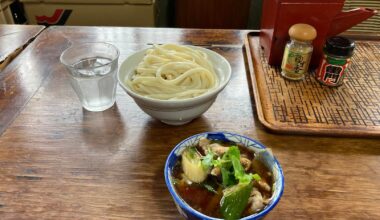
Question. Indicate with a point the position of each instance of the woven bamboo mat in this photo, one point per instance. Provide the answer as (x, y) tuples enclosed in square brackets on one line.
[(307, 107)]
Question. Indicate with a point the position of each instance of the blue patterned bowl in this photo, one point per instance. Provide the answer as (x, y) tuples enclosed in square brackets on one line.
[(267, 158)]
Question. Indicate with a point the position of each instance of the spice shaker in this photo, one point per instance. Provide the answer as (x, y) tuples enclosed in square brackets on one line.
[(298, 51), (337, 56)]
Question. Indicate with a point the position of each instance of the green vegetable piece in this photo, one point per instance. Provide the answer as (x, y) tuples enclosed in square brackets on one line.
[(175, 181), (207, 161), (192, 153), (210, 188), (228, 178), (226, 168), (238, 168), (232, 170), (235, 200), (256, 177), (192, 166), (217, 163)]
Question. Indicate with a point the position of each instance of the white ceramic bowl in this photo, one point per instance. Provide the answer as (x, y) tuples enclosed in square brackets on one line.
[(176, 112)]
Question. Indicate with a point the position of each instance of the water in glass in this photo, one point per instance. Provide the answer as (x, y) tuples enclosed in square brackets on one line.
[(94, 80)]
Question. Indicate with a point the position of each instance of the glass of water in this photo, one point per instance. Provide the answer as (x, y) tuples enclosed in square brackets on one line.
[(92, 71)]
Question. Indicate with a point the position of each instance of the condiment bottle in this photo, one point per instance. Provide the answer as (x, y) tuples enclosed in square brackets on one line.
[(333, 67), (298, 51)]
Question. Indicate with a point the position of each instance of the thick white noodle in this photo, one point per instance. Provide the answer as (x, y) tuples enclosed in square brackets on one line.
[(171, 72)]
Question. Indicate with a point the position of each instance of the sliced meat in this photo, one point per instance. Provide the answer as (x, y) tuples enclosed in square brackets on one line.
[(264, 185), (255, 201), (215, 171), (218, 149), (245, 162), (203, 142)]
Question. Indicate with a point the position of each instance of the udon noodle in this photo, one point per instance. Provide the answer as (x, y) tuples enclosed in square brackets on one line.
[(171, 72)]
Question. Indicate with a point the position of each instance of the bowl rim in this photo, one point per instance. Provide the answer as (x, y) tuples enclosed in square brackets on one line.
[(179, 201), (205, 96)]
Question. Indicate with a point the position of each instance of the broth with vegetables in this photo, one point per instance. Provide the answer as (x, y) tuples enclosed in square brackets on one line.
[(222, 179)]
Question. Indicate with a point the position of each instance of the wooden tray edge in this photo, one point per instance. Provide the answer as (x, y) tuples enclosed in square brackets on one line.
[(292, 129)]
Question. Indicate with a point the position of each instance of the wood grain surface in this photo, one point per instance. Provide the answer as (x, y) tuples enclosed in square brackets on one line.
[(14, 77), (13, 38), (308, 107), (58, 161)]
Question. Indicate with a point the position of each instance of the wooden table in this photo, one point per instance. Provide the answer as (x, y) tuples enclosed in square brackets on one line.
[(58, 161), (13, 38)]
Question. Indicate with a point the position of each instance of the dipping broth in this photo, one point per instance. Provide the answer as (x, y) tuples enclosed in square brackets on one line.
[(209, 192)]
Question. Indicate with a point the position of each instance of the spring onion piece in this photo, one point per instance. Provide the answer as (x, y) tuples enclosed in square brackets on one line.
[(192, 166)]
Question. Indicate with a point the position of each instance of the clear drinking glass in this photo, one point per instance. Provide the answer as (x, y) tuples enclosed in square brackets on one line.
[(92, 71)]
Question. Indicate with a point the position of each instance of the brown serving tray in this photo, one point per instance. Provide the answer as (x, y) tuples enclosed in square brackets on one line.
[(307, 107)]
